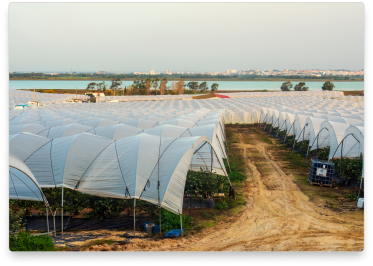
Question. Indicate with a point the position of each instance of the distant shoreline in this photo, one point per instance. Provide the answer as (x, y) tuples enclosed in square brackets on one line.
[(197, 79)]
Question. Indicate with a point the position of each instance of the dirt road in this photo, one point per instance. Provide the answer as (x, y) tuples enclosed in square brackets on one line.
[(277, 217)]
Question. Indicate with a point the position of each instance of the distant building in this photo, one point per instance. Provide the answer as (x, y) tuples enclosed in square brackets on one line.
[(101, 72), (228, 72), (152, 72), (96, 94), (233, 71)]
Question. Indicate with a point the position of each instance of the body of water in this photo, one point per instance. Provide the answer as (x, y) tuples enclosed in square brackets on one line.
[(223, 85)]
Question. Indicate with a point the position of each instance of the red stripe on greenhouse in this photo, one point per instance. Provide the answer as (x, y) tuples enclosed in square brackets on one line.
[(221, 96)]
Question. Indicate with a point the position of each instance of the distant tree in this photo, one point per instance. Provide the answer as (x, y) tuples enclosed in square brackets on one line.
[(180, 86), (165, 81), (214, 87), (115, 83), (301, 86), (203, 86), (155, 83), (193, 85), (175, 88), (91, 86), (328, 86), (99, 86), (109, 93), (162, 87), (148, 84), (103, 86), (140, 85), (49, 91), (286, 86)]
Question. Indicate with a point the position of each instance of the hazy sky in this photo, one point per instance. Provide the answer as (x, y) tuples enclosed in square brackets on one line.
[(200, 37)]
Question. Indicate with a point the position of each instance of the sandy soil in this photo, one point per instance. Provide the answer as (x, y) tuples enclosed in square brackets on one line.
[(277, 217)]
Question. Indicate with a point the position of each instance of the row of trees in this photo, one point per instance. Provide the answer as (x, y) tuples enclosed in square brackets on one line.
[(149, 86), (301, 86)]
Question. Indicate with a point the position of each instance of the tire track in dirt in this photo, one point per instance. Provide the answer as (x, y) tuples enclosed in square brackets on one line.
[(278, 216)]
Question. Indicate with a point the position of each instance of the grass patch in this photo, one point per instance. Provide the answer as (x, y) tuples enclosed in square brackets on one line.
[(23, 241)]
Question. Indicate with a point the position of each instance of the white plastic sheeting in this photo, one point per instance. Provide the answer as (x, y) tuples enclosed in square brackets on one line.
[(330, 135), (311, 129), (82, 138), (22, 183), (90, 163), (352, 144)]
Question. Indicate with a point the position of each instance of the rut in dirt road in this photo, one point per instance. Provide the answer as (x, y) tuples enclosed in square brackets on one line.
[(278, 216)]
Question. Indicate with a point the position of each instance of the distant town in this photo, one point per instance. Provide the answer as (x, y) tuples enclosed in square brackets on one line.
[(228, 72)]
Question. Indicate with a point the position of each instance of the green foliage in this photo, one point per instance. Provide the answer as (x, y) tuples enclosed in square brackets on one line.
[(301, 86), (302, 146), (205, 183), (286, 86), (15, 221), (235, 175), (214, 87), (140, 86), (349, 168), (23, 241), (172, 221), (74, 201), (323, 154), (115, 83), (155, 83), (193, 85), (109, 93), (203, 86), (221, 206), (205, 215), (327, 86)]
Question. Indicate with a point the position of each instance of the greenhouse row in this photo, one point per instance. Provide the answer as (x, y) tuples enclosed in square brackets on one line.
[(144, 149)]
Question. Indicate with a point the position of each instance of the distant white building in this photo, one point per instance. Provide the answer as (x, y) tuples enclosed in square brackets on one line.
[(101, 72), (228, 72), (96, 94), (152, 72), (233, 71)]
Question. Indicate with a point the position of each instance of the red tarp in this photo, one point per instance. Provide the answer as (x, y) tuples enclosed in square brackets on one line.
[(221, 96)]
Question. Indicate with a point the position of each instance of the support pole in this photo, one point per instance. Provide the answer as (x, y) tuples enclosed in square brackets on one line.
[(160, 221), (190, 204), (62, 213), (134, 217), (307, 152), (181, 226), (54, 223), (47, 219)]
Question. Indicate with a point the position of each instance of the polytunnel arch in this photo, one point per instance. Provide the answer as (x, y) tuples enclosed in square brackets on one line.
[(19, 170), (335, 132), (354, 135), (59, 164)]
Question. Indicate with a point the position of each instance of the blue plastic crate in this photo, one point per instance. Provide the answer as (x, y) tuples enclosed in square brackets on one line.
[(156, 229), (172, 234), (177, 230)]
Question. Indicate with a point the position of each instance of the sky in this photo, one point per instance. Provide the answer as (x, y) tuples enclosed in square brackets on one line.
[(198, 37)]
